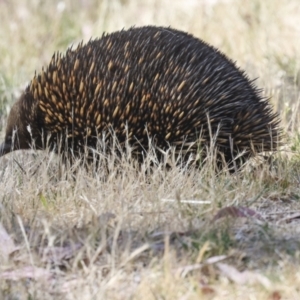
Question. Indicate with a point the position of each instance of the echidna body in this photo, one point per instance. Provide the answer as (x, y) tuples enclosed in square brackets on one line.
[(148, 82)]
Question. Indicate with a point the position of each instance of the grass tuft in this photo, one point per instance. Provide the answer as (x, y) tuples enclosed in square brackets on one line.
[(71, 232)]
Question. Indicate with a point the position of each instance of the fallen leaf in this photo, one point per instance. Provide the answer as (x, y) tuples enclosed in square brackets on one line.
[(275, 296), (237, 212), (207, 290)]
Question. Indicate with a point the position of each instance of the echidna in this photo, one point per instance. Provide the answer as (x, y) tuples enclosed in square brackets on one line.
[(148, 82)]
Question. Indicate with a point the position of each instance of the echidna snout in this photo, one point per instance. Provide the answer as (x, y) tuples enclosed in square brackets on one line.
[(17, 135), (148, 82)]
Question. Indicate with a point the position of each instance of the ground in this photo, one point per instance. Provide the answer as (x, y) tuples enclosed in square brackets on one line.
[(164, 234)]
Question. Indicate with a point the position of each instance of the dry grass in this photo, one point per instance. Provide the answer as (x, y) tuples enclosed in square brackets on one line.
[(83, 235)]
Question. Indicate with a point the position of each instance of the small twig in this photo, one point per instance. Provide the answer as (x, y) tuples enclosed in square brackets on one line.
[(19, 166), (187, 201), (24, 170)]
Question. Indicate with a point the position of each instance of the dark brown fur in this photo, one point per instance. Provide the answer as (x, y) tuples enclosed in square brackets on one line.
[(148, 82)]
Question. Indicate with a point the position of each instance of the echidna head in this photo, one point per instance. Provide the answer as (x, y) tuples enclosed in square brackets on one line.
[(17, 135)]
